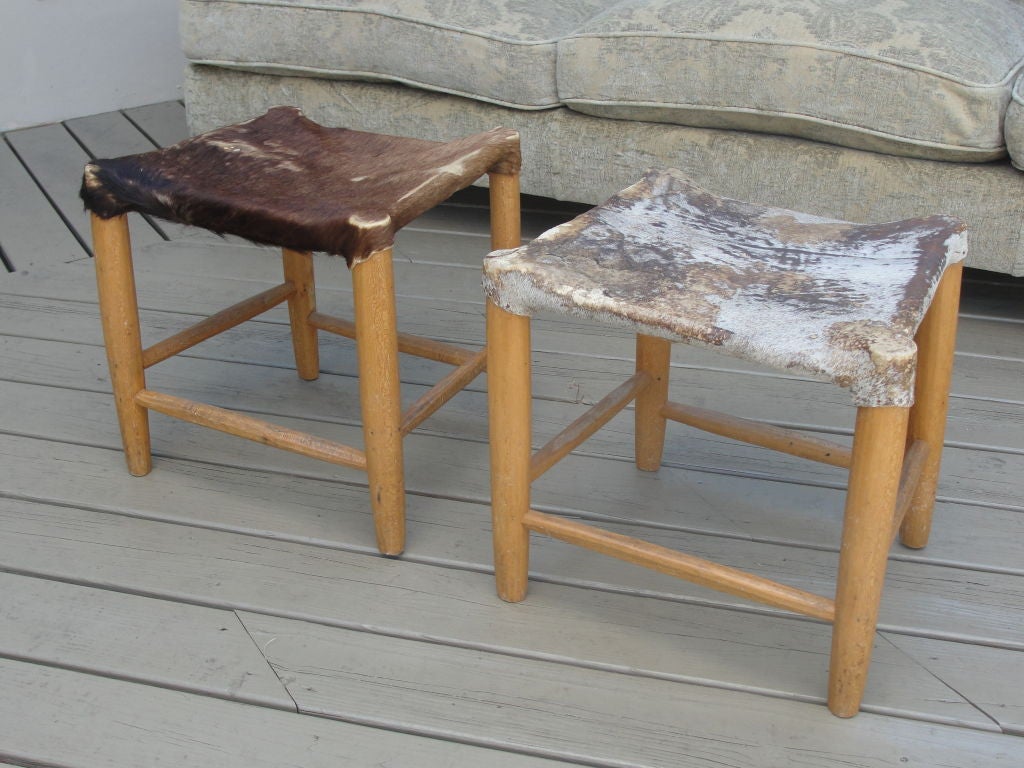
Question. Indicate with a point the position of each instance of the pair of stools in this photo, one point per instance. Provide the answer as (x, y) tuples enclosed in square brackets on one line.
[(870, 307)]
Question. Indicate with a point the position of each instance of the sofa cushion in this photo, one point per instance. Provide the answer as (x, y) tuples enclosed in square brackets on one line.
[(493, 51), (1014, 127), (922, 78)]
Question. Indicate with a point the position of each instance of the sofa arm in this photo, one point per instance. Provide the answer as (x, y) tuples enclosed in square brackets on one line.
[(1013, 126)]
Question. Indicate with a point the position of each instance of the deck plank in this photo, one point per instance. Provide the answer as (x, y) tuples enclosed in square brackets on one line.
[(59, 717), (131, 579), (162, 643), (577, 713), (618, 632), (164, 122), (32, 234), (992, 679), (57, 161)]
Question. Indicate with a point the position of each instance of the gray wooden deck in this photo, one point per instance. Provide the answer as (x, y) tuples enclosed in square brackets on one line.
[(229, 609)]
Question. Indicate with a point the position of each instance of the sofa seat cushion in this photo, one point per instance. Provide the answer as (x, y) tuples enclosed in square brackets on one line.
[(492, 51), (921, 78)]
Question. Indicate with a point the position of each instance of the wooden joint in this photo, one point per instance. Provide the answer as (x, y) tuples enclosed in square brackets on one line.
[(217, 323), (587, 424), (257, 430), (774, 438), (694, 569)]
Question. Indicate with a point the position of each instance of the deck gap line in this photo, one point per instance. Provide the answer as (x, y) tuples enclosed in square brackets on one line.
[(465, 645), (647, 525), (622, 458), (270, 667), (49, 198), (186, 599), (145, 134), (993, 318), (939, 679), (485, 569), (5, 259), (498, 650), (78, 140), (538, 349), (136, 679)]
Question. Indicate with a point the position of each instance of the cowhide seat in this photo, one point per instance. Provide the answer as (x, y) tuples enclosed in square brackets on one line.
[(869, 307), (283, 180)]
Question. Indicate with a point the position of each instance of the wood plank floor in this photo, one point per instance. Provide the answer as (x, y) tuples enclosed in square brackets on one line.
[(230, 609)]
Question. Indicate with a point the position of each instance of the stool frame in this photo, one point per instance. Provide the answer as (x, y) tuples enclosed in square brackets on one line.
[(893, 472), (378, 343)]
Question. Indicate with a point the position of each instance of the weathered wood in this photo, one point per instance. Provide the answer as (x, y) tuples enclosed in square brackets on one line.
[(992, 679), (403, 598), (57, 162), (525, 703), (57, 717), (413, 345), (714, 502), (158, 642), (32, 234), (164, 122)]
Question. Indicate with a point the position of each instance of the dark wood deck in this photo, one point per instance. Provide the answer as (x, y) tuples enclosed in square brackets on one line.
[(229, 609)]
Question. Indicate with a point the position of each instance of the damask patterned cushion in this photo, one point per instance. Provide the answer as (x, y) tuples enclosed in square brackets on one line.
[(1014, 127), (922, 78), (489, 50)]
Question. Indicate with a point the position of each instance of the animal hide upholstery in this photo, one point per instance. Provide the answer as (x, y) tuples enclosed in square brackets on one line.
[(282, 179)]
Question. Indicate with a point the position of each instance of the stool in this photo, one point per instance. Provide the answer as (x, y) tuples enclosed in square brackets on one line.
[(838, 301), (283, 180)]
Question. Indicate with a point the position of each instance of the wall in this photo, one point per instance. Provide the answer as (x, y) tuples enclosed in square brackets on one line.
[(70, 58)]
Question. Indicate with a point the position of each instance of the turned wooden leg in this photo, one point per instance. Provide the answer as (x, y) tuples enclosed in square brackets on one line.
[(508, 397), (936, 339), (878, 444), (379, 394), (298, 270), (119, 313), (504, 198), (652, 357)]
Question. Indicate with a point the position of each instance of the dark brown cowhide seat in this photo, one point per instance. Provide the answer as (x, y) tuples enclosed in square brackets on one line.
[(282, 179)]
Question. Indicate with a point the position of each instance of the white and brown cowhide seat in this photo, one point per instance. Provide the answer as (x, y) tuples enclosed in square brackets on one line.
[(281, 179), (835, 300), (869, 307)]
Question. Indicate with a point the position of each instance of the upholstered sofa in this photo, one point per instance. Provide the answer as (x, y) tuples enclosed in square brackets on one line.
[(868, 111)]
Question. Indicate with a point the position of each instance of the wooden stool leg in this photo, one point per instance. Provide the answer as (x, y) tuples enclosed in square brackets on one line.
[(119, 314), (380, 396), (505, 214), (298, 270), (652, 356), (878, 444), (936, 339), (508, 396)]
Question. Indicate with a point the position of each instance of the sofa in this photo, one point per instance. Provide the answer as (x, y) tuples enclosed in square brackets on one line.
[(865, 110)]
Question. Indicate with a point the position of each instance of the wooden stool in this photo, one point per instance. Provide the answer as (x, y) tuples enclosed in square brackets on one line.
[(284, 180), (839, 301)]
